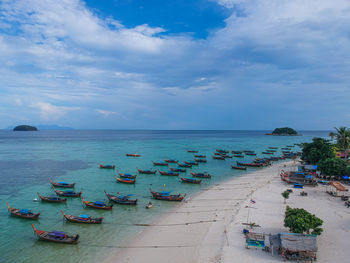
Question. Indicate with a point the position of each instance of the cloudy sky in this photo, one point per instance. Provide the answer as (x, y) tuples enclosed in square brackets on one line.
[(155, 64)]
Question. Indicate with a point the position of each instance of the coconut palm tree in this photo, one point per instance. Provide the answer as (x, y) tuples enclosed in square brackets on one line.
[(332, 135), (343, 139)]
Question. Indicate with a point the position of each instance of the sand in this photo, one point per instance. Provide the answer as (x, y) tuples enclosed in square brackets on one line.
[(208, 227)]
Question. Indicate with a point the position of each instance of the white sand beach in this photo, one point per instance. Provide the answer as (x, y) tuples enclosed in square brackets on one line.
[(208, 227)]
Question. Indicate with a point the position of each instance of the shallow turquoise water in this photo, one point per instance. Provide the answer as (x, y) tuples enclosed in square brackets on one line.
[(28, 159)]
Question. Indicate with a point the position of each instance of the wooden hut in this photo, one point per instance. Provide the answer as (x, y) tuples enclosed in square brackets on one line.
[(298, 246), (336, 189)]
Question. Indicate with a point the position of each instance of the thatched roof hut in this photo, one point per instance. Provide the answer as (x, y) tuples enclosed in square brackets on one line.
[(298, 246)]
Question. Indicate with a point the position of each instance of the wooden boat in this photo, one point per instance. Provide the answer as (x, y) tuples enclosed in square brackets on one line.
[(218, 157), (184, 165), (52, 199), (23, 213), (133, 155), (226, 156), (238, 156), (149, 205), (107, 166), (168, 173), (179, 170), (201, 175), (267, 152), (146, 171), (199, 156), (218, 154), (171, 161), (84, 219), (121, 199), (236, 152), (192, 151), (56, 236), (160, 164), (221, 151), (66, 193), (125, 180), (249, 153), (200, 160), (273, 147), (190, 180), (126, 175), (250, 164), (62, 184), (191, 162), (97, 204), (239, 167), (166, 196)]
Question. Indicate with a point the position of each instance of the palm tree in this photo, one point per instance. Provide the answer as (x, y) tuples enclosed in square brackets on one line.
[(332, 135), (343, 139)]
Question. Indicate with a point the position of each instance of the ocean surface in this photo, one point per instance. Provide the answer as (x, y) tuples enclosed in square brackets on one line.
[(29, 159)]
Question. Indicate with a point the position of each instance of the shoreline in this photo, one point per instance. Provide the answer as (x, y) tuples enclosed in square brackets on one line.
[(189, 231)]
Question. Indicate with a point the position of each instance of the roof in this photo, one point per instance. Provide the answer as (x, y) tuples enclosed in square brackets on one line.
[(298, 242), (337, 186)]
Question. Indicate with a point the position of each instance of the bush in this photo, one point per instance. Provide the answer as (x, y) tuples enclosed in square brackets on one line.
[(347, 170), (299, 220), (332, 166)]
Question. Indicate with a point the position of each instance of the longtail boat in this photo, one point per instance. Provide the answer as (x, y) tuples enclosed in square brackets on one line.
[(191, 162), (221, 151), (23, 213), (171, 161), (121, 199), (126, 175), (125, 180), (236, 152), (219, 154), (146, 171), (168, 173), (290, 146), (250, 153), (218, 157), (56, 236), (200, 160), (52, 199), (273, 147), (250, 164), (239, 167), (201, 175), (267, 152), (62, 184), (199, 156), (160, 164), (179, 170), (167, 196), (190, 180), (226, 156), (107, 166), (133, 155), (238, 156), (184, 165), (97, 204), (85, 219), (192, 151), (67, 193)]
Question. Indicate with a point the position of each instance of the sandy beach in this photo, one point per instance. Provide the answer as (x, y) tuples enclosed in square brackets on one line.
[(208, 227)]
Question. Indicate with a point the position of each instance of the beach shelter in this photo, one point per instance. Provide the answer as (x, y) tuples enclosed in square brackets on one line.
[(298, 246), (335, 188)]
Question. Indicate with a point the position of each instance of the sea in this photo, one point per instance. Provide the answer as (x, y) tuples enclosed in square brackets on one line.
[(29, 159)]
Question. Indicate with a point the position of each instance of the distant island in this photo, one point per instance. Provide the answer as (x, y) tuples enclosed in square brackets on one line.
[(285, 131), (25, 128)]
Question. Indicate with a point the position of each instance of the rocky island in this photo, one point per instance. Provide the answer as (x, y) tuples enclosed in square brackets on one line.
[(25, 128), (285, 131)]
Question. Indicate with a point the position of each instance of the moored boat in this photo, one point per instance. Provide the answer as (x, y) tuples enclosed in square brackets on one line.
[(222, 151), (166, 196), (190, 180), (201, 175), (192, 151), (184, 165), (168, 173), (52, 199), (238, 155), (125, 180), (250, 164), (236, 152), (84, 219), (179, 170), (200, 160), (191, 162), (133, 155), (250, 153), (67, 193), (23, 213), (267, 152), (160, 164), (56, 236), (127, 175), (121, 199), (107, 166), (239, 167), (273, 147), (171, 161), (146, 171), (62, 184), (97, 204), (218, 157), (199, 156)]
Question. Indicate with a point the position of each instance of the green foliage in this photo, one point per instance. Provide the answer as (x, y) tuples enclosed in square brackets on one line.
[(332, 166), (285, 130), (299, 220), (347, 170), (285, 195), (343, 138), (25, 128), (319, 149)]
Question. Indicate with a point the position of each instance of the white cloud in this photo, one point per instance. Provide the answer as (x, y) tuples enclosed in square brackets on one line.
[(106, 113), (49, 112)]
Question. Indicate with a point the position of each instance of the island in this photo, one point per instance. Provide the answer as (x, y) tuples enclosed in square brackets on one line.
[(25, 128), (285, 131)]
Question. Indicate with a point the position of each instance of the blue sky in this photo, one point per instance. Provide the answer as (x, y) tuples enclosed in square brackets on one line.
[(218, 64)]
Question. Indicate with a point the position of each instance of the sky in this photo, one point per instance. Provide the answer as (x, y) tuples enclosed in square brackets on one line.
[(199, 64)]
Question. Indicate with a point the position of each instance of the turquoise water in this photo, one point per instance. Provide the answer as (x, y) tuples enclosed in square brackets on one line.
[(29, 159)]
